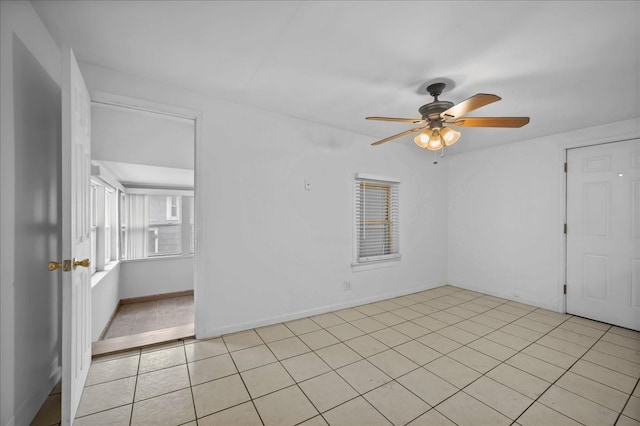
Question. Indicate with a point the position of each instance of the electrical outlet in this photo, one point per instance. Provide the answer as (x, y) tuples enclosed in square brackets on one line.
[(346, 285)]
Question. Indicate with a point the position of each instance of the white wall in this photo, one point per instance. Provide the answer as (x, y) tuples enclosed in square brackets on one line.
[(30, 120), (147, 277), (267, 250), (105, 296), (506, 215)]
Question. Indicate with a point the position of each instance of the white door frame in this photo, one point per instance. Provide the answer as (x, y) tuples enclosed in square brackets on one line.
[(197, 117), (569, 146)]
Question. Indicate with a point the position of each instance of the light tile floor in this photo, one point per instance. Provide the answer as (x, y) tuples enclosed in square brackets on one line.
[(444, 356)]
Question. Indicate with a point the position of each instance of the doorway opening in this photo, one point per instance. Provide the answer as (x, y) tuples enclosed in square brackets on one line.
[(143, 223)]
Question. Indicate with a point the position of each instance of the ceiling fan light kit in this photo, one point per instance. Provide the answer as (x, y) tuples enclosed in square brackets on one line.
[(437, 117)]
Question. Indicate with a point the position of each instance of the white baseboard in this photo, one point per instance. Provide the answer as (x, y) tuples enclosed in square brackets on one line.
[(503, 295)]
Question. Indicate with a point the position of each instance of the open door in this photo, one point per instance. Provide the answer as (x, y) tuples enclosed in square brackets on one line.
[(76, 236)]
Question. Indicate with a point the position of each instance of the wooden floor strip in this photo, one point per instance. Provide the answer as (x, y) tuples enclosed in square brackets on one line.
[(142, 340)]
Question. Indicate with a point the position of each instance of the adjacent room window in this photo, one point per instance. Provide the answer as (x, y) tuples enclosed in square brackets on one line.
[(104, 220), (377, 219), (94, 226), (108, 197)]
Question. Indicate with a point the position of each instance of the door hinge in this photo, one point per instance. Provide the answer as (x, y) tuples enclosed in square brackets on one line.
[(564, 289), (566, 167), (565, 228)]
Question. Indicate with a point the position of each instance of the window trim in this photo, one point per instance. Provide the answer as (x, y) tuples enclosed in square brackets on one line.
[(381, 261)]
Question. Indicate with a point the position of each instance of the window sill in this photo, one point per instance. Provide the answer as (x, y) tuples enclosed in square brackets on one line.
[(97, 276), (357, 267), (156, 258)]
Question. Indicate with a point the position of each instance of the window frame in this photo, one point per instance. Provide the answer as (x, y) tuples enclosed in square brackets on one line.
[(391, 219)]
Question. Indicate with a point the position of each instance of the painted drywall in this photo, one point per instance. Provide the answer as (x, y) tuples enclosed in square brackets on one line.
[(30, 121), (105, 295), (506, 215), (267, 249), (146, 277)]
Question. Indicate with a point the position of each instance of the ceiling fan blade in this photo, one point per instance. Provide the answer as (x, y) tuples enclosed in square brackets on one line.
[(403, 120), (470, 104), (399, 135), (491, 122)]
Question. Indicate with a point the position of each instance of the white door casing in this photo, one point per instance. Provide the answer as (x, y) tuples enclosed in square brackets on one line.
[(603, 233), (76, 238)]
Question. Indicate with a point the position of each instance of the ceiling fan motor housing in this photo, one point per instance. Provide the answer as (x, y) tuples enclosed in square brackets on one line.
[(432, 110)]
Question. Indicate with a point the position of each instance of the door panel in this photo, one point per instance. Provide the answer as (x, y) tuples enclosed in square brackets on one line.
[(76, 237), (603, 233)]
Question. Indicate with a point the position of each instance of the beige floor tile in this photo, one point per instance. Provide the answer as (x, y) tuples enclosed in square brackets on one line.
[(242, 340), (493, 349), (338, 355), (417, 352), (368, 325), (474, 359), (393, 363), (613, 362), (573, 337), (363, 376), (522, 332), (474, 307), (106, 395), (115, 416), (327, 320), (287, 348), (328, 391), (442, 344), (388, 319), (508, 340), (302, 326), (499, 397), (501, 315), (427, 386), (594, 333), (459, 311), (597, 392), (396, 403), (406, 313), (457, 334), (411, 329), (387, 305), (266, 379), (369, 309), (345, 331), (627, 421), (350, 314), (562, 345), (273, 333), (314, 421), (49, 413), (432, 418), (162, 381), (577, 407), (305, 366), (318, 339), (590, 323), (357, 412), (636, 391), (201, 349), (216, 395), (531, 324), (487, 301), (253, 357), (541, 415), (114, 369), (513, 310), (549, 355), (423, 309), (632, 334), (173, 408), (521, 381), (526, 307), (488, 321), (366, 345), (619, 340), (603, 375), (617, 351), (161, 346), (288, 406), (163, 358), (211, 368), (474, 327), (243, 414), (452, 371), (465, 410), (446, 317), (535, 366), (403, 301), (390, 337), (632, 408), (430, 323)]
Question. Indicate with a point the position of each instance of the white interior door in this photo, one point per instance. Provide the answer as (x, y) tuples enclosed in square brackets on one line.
[(603, 233), (76, 238)]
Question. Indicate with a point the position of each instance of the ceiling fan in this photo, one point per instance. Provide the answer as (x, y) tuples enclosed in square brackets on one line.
[(438, 116)]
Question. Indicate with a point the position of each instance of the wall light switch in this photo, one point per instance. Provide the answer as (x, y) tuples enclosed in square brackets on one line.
[(307, 185)]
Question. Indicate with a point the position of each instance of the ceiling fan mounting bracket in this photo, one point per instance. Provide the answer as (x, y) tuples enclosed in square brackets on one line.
[(436, 89)]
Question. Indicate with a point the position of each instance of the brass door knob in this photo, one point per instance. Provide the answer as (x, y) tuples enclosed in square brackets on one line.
[(84, 263), (65, 265), (54, 265)]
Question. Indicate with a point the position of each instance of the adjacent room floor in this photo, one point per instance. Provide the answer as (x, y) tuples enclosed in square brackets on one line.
[(445, 356)]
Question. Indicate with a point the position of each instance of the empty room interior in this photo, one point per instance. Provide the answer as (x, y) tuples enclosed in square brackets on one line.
[(320, 213)]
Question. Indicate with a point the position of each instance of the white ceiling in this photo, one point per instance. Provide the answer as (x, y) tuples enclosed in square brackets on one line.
[(566, 64)]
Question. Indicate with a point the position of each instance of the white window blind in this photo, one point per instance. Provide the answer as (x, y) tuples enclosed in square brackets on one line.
[(377, 219)]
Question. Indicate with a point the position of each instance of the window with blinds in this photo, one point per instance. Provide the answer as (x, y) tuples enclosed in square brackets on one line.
[(377, 219)]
